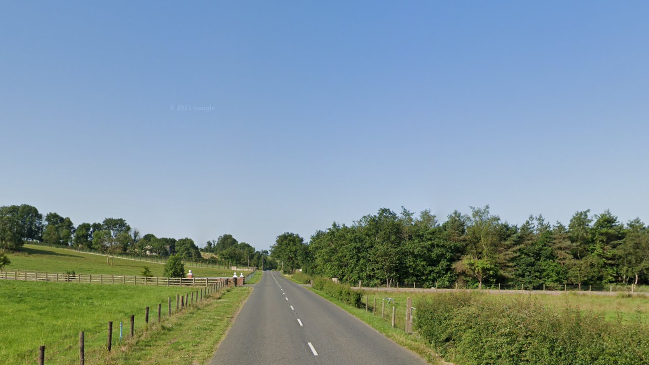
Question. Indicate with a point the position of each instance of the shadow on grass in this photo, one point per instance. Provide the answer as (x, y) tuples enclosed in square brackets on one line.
[(36, 251)]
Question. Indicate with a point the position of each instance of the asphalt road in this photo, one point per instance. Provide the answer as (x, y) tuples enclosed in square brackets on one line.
[(284, 323)]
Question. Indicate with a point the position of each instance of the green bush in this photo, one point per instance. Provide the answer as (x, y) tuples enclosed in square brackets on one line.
[(301, 278), (342, 292), (471, 329)]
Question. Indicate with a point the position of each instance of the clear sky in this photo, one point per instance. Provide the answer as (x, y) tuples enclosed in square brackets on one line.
[(310, 112)]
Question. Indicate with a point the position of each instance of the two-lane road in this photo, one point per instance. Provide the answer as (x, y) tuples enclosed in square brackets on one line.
[(283, 323)]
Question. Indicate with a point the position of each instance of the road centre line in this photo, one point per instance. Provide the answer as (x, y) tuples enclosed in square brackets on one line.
[(300, 322), (292, 308), (315, 353)]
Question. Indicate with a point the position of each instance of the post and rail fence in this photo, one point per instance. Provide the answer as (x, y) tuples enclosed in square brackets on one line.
[(111, 279)]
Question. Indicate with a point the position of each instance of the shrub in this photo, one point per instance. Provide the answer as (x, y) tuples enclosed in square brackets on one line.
[(342, 292), (472, 329), (174, 268), (301, 278)]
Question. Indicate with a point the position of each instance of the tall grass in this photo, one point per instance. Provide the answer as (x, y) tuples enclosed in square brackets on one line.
[(469, 328)]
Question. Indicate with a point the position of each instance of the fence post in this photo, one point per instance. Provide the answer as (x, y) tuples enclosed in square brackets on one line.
[(367, 300), (169, 305), (41, 355), (146, 316), (394, 312), (132, 325), (159, 311), (382, 308), (82, 356), (374, 308), (408, 315), (177, 302), (110, 335), (192, 297), (182, 301)]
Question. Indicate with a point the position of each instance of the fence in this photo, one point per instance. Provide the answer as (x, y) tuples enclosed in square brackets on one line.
[(398, 310), (182, 301), (112, 279)]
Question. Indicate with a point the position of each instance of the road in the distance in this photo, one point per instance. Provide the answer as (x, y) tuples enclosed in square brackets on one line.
[(283, 323)]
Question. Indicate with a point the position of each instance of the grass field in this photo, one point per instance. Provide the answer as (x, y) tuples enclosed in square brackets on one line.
[(190, 339), (60, 260), (53, 314), (614, 307)]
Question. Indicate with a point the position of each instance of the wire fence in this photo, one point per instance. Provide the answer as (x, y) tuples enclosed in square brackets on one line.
[(99, 340)]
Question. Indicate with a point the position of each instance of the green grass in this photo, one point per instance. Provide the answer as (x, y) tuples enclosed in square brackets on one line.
[(413, 342), (53, 314), (188, 339), (60, 260), (614, 307), (255, 277)]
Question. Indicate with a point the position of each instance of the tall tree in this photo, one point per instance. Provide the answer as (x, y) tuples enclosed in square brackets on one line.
[(11, 231), (83, 236), (289, 248)]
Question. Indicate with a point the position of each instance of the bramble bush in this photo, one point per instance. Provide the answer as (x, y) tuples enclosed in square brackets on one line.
[(469, 329), (342, 292)]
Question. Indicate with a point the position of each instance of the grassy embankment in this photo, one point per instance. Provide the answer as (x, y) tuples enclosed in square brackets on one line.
[(61, 260)]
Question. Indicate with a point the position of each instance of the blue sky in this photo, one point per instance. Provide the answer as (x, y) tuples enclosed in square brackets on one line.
[(317, 112)]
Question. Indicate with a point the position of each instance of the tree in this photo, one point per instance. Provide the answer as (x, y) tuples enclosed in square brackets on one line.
[(31, 222), (116, 226), (4, 261), (224, 242), (10, 230), (174, 268), (58, 230), (186, 248), (83, 236), (289, 248), (101, 241)]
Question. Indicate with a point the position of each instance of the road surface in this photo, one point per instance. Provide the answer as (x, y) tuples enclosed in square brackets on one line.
[(284, 323)]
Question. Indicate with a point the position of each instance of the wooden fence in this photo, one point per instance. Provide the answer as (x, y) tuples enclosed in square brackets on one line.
[(112, 279)]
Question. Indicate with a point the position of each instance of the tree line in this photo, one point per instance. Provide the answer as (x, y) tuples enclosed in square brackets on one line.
[(24, 223), (473, 249), (229, 249)]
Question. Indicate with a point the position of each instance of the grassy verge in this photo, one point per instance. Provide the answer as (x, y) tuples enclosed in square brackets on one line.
[(61, 260), (53, 314), (299, 278), (188, 339), (413, 342), (255, 277)]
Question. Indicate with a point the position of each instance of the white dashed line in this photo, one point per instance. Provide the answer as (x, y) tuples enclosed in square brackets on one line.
[(292, 308), (300, 322), (286, 298), (315, 353)]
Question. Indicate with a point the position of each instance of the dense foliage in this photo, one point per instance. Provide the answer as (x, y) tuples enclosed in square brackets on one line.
[(342, 292), (473, 329), (476, 249), (174, 267), (229, 250)]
